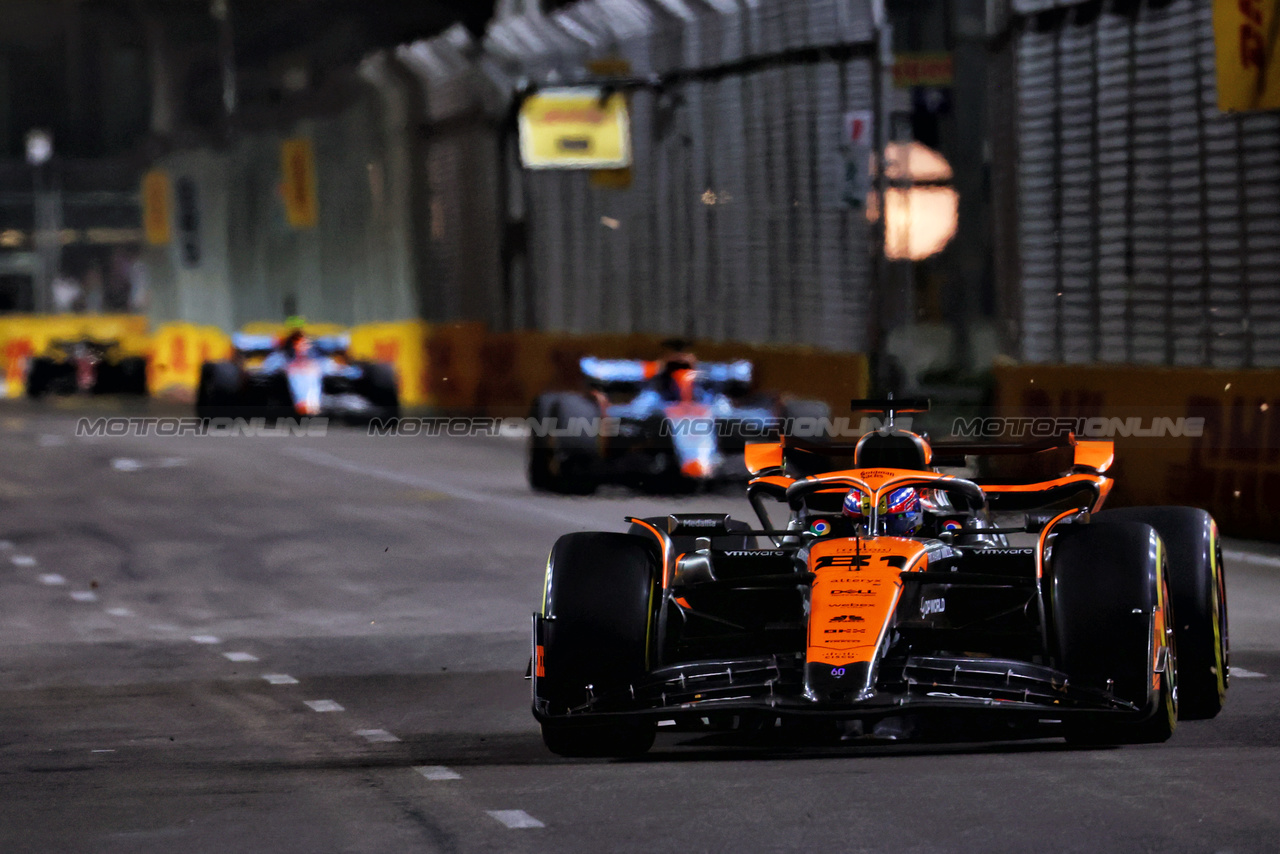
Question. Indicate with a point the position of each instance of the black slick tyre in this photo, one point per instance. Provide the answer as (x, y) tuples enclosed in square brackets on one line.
[(39, 377), (563, 464), (218, 394), (381, 390), (599, 600), (1109, 607), (1199, 593)]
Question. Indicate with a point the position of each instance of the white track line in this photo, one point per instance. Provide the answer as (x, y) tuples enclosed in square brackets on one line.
[(5, 545), (323, 706), (120, 612), (84, 596), (518, 506), (515, 819), (51, 578), (437, 772), (207, 639), (240, 656), (279, 679), (22, 560), (1241, 673), (1250, 557), (376, 736)]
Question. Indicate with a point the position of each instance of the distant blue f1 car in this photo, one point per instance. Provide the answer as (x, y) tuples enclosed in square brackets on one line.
[(296, 375), (666, 424)]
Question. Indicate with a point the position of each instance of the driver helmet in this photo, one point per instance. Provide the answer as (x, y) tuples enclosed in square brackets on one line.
[(900, 510)]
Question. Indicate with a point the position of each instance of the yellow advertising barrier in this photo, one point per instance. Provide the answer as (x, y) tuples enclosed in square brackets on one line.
[(402, 344), (1219, 448), (179, 349), (23, 337), (1248, 54)]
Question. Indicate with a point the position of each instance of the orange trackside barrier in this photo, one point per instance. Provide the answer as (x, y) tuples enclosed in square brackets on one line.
[(1193, 436), (452, 368)]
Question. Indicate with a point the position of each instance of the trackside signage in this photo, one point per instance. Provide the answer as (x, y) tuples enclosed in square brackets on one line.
[(575, 128)]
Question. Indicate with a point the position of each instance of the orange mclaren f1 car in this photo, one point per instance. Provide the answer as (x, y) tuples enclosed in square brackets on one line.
[(891, 603)]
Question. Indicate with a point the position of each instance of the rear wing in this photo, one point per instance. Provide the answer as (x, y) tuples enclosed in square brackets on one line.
[(1021, 476), (248, 344), (614, 373)]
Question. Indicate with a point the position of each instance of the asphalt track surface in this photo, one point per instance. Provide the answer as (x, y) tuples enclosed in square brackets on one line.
[(150, 587)]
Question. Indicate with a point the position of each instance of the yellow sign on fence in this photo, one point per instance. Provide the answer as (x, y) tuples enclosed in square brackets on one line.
[(1247, 36), (298, 165), (155, 207), (575, 128)]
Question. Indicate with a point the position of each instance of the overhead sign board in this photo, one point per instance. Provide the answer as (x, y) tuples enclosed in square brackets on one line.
[(922, 69), (1248, 54), (575, 128)]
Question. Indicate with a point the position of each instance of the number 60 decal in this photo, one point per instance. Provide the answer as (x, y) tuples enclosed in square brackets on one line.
[(837, 672)]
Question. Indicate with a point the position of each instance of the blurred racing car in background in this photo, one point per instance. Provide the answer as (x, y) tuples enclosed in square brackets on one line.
[(665, 424), (890, 604), (293, 375), (86, 366)]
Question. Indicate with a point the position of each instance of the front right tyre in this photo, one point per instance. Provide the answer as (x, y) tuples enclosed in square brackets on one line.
[(1111, 620), (599, 601)]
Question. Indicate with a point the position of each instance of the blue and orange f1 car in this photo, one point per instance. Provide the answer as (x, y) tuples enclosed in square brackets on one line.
[(889, 602), (666, 424), (295, 375)]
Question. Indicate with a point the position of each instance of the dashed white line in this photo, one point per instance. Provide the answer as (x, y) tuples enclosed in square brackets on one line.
[(525, 509), (209, 639), (84, 596), (324, 706), (376, 736), (240, 656), (279, 679), (125, 464), (5, 545), (1241, 673), (51, 440), (51, 578), (120, 612), (1250, 557), (22, 560), (437, 772), (515, 819)]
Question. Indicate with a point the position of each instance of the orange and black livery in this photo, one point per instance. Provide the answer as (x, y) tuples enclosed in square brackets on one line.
[(889, 586)]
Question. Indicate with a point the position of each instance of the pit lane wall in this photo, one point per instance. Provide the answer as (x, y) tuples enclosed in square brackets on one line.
[(1228, 463)]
